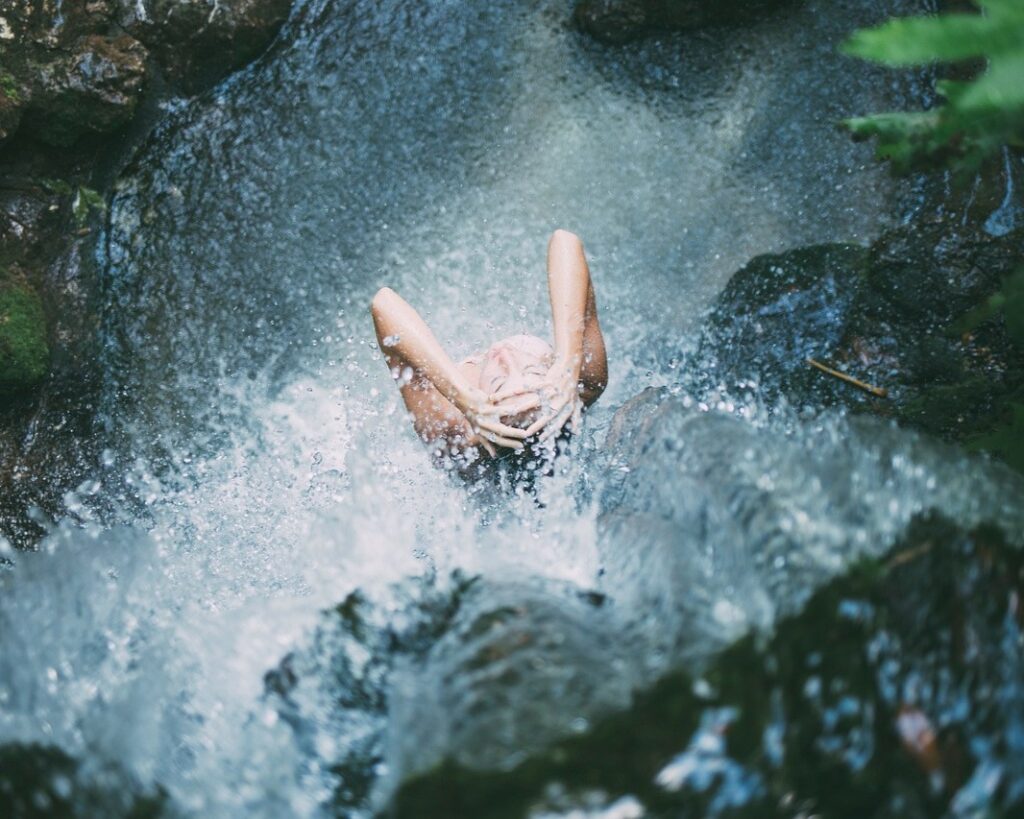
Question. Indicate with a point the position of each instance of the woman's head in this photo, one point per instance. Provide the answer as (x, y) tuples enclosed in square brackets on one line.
[(517, 362)]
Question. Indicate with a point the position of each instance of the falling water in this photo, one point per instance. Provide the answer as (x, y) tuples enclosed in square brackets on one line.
[(257, 466)]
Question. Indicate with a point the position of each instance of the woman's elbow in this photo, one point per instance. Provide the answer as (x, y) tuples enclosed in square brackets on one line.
[(380, 301), (562, 236)]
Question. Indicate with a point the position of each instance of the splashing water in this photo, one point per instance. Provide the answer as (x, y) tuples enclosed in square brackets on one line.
[(259, 467)]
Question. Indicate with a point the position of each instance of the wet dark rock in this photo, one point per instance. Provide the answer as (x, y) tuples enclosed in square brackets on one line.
[(896, 692), (887, 316), (67, 71), (95, 88), (42, 781), (779, 310), (73, 69), (199, 41), (618, 21), (46, 228)]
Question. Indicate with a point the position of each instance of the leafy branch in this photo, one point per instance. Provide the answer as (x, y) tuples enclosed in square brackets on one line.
[(976, 118)]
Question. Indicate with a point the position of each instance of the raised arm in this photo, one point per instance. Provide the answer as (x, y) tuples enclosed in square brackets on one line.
[(579, 372), (579, 345), (441, 400)]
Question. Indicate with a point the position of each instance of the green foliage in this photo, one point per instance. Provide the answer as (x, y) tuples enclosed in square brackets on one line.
[(1007, 440), (9, 87), (86, 201), (57, 186), (976, 118), (1009, 301)]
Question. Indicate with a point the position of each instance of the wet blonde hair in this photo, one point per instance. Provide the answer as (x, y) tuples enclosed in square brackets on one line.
[(516, 361)]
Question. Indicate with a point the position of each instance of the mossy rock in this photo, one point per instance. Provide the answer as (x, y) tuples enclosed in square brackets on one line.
[(24, 354)]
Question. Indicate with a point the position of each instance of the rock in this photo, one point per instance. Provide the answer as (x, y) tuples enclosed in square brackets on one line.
[(72, 69), (71, 72), (885, 316), (45, 435), (11, 104), (68, 71), (618, 21), (521, 665), (94, 89), (43, 782), (24, 355), (198, 41), (895, 692), (776, 312)]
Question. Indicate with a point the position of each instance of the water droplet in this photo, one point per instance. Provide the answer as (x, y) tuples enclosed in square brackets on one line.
[(391, 341)]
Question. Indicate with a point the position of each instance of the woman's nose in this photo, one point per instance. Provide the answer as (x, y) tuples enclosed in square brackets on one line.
[(508, 361)]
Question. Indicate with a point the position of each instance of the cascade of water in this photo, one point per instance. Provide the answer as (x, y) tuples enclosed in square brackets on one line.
[(259, 468)]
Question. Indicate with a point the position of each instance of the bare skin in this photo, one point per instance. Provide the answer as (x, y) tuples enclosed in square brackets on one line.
[(519, 387)]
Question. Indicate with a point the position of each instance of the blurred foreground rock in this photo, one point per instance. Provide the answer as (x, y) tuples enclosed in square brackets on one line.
[(482, 674), (43, 782), (896, 692)]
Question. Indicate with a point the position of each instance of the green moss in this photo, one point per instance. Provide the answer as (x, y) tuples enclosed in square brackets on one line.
[(9, 86), (24, 355)]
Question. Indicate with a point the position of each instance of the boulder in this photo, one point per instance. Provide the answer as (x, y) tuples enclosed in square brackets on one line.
[(94, 88), (886, 315), (68, 71), (779, 310), (198, 41), (618, 21), (44, 782), (73, 69), (481, 672), (895, 692)]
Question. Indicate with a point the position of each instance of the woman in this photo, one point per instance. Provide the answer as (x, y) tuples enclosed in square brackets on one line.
[(518, 387)]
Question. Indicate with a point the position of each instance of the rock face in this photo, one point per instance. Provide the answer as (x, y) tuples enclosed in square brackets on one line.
[(74, 69), (196, 41), (618, 21), (885, 315), (67, 71), (896, 692), (71, 72)]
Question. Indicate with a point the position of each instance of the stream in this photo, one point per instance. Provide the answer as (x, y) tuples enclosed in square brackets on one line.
[(257, 466)]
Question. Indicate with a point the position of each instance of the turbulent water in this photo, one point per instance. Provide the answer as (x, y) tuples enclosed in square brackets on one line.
[(257, 465)]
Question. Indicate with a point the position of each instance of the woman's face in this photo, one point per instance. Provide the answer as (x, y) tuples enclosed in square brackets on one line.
[(518, 362)]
